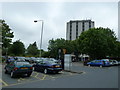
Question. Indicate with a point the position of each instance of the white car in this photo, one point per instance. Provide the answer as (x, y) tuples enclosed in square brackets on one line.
[(114, 62)]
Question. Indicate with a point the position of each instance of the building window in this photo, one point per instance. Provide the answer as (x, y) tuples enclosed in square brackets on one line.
[(70, 30), (89, 25), (76, 29), (83, 26), (70, 37)]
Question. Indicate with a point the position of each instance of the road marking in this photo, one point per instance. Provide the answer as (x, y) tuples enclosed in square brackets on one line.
[(36, 74), (43, 77), (4, 82), (21, 79)]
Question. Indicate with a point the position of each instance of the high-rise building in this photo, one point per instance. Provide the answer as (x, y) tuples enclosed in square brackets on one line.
[(119, 21), (76, 27)]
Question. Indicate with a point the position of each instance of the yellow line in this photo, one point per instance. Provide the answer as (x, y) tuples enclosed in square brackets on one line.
[(43, 77), (4, 82), (21, 79), (20, 83), (36, 75)]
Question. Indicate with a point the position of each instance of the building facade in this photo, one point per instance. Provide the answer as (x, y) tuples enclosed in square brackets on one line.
[(76, 27)]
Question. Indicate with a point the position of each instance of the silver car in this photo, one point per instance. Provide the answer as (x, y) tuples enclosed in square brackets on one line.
[(114, 62)]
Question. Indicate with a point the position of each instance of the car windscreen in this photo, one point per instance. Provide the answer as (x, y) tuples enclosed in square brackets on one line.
[(22, 63), (51, 62), (47, 62)]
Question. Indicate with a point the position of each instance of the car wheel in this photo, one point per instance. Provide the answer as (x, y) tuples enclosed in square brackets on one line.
[(57, 72), (12, 74), (100, 65), (45, 71), (89, 65), (28, 75)]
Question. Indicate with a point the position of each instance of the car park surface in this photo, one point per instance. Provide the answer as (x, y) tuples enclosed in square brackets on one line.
[(90, 77)]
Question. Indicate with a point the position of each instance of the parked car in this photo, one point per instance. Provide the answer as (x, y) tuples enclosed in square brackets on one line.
[(18, 68), (47, 67), (22, 59), (10, 59), (114, 62), (27, 59), (85, 62), (100, 63), (32, 59), (57, 61), (37, 60), (118, 62)]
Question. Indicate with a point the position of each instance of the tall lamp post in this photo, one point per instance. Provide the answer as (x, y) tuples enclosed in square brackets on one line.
[(41, 33)]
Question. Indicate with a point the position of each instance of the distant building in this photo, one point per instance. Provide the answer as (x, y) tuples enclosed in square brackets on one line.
[(119, 21), (76, 27)]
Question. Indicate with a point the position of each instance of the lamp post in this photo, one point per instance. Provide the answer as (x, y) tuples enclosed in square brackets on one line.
[(41, 33)]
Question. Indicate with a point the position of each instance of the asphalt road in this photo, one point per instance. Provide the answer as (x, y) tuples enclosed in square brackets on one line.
[(91, 77)]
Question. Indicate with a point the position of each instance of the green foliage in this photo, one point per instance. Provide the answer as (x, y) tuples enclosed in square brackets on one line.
[(17, 48), (32, 50), (46, 54), (55, 45), (97, 42), (117, 50), (7, 36)]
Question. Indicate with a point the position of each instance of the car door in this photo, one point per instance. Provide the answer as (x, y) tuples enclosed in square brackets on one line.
[(98, 63), (92, 63), (11, 66), (42, 66), (39, 66)]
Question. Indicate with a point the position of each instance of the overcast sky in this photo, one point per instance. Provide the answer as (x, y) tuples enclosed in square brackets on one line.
[(20, 16)]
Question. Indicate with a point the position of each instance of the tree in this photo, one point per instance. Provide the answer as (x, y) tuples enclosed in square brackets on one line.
[(7, 36), (117, 50), (32, 50), (17, 48), (97, 42), (57, 46), (46, 54)]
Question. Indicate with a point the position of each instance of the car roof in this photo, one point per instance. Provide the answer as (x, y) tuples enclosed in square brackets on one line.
[(101, 60)]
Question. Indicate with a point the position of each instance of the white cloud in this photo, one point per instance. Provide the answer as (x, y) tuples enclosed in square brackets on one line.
[(20, 17)]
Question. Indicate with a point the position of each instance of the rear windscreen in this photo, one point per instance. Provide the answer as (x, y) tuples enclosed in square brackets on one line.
[(22, 63)]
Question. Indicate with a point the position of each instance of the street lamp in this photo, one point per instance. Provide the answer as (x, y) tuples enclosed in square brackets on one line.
[(41, 34)]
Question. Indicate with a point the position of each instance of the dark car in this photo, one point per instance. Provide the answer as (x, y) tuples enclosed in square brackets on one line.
[(15, 68), (10, 59), (100, 63), (47, 67)]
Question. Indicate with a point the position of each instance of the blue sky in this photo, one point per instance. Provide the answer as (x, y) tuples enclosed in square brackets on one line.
[(20, 16)]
